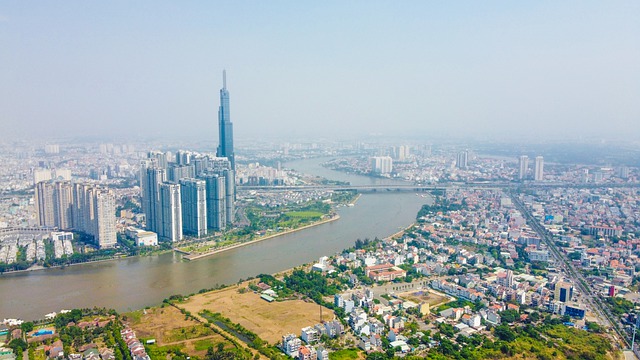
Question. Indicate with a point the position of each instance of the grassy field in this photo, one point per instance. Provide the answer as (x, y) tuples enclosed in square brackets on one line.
[(346, 354), (268, 320), (169, 327), (304, 214)]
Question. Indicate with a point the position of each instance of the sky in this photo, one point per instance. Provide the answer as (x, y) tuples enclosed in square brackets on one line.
[(337, 69)]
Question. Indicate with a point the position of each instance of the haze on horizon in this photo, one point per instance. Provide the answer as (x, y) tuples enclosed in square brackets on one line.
[(490, 69)]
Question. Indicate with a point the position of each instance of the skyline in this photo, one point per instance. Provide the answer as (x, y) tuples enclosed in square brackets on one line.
[(529, 69)]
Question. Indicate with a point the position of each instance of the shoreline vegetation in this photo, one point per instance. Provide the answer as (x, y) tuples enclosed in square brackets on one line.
[(195, 256)]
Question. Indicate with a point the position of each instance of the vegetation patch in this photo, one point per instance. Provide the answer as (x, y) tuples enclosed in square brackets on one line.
[(345, 354)]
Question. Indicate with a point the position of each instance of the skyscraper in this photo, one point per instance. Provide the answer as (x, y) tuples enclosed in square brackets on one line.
[(216, 199), (83, 207), (225, 127), (381, 165), (194, 206), (539, 169), (171, 212), (462, 160), (524, 166), (150, 188)]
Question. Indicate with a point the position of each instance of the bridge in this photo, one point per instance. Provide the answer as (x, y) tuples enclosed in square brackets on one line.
[(432, 188), (358, 188)]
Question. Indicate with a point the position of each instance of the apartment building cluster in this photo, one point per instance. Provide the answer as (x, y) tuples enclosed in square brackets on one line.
[(304, 347), (598, 228), (84, 207), (192, 195)]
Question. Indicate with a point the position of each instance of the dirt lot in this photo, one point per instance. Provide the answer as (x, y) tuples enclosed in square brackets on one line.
[(420, 296), (269, 320), (169, 327)]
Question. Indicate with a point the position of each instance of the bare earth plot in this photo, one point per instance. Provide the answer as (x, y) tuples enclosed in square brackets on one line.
[(169, 327), (268, 320), (424, 296)]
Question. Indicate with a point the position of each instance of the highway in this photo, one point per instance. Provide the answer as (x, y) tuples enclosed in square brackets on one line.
[(592, 300)]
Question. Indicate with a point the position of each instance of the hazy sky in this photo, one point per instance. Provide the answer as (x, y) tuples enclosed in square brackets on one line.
[(327, 68)]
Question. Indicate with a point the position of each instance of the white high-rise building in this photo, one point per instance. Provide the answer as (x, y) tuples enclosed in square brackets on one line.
[(52, 149), (194, 207), (41, 175), (171, 212), (105, 211), (524, 167), (83, 207), (381, 164), (462, 160), (61, 174), (539, 169)]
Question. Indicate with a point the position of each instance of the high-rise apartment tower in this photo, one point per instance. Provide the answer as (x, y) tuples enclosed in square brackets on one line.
[(539, 169), (524, 167)]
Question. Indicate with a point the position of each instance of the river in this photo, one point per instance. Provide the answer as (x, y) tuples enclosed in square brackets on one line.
[(136, 282)]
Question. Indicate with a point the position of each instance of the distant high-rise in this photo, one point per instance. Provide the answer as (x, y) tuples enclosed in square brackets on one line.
[(524, 167), (381, 164), (225, 127), (194, 206), (462, 161), (539, 169)]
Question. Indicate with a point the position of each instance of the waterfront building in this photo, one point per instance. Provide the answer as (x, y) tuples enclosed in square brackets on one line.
[(225, 127), (524, 167), (45, 204), (170, 212), (381, 165), (215, 201), (105, 222), (63, 204), (83, 207), (150, 188), (194, 207), (539, 169)]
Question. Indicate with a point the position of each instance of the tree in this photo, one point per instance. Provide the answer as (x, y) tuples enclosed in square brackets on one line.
[(377, 356), (509, 316), (27, 327), (503, 332)]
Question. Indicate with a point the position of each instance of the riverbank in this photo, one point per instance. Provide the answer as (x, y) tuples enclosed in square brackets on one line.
[(399, 233), (191, 257), (61, 267)]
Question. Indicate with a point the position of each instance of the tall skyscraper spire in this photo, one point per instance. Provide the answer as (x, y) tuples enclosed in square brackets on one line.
[(225, 127), (224, 79)]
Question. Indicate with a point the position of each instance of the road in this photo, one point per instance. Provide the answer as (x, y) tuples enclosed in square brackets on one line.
[(601, 311)]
